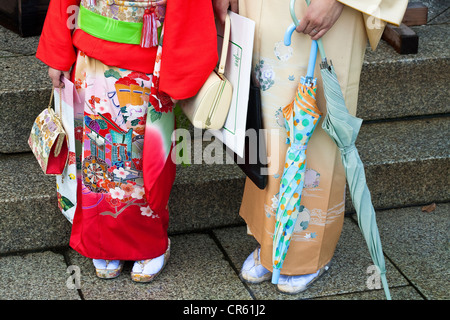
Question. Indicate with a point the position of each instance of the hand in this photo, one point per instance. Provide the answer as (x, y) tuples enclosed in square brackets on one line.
[(320, 17), (221, 6), (55, 76)]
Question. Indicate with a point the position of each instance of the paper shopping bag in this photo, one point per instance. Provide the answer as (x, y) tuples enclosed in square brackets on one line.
[(67, 182)]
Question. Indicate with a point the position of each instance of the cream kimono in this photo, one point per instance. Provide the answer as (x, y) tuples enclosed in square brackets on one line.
[(277, 69)]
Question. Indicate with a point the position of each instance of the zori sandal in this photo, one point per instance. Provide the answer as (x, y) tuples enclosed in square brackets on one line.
[(147, 270), (108, 269)]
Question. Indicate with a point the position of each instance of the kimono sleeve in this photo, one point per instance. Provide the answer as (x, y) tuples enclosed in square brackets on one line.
[(55, 47), (189, 53), (376, 14), (391, 11)]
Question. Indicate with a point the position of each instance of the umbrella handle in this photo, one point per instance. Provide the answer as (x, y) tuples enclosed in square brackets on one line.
[(295, 24), (312, 55), (312, 61), (288, 34)]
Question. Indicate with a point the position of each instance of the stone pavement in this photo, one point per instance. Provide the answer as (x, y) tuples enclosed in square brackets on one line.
[(205, 266)]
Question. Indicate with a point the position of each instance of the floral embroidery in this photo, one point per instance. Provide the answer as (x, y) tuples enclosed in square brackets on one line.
[(160, 101), (279, 117), (147, 211), (310, 235), (282, 52), (79, 133), (94, 100), (264, 75), (275, 201), (303, 219), (312, 178), (131, 11), (120, 173), (138, 193), (128, 188), (112, 162), (117, 193), (72, 158)]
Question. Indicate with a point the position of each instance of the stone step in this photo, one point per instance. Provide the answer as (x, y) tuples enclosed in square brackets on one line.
[(392, 85), (395, 86), (406, 162)]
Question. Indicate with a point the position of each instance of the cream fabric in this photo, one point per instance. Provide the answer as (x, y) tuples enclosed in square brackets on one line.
[(278, 69), (376, 14), (391, 11)]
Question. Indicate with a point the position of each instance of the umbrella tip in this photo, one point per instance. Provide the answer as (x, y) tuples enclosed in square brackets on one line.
[(275, 275)]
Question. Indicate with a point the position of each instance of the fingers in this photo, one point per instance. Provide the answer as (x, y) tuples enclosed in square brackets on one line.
[(222, 17), (66, 74), (234, 6), (221, 8), (302, 25), (315, 32), (319, 17), (309, 27), (57, 83), (319, 34), (55, 76)]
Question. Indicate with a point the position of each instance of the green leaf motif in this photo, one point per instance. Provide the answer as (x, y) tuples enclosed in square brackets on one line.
[(304, 225), (112, 73), (102, 123), (135, 122), (66, 204), (124, 112), (155, 115)]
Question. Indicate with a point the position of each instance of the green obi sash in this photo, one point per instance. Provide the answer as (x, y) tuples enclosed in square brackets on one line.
[(110, 29)]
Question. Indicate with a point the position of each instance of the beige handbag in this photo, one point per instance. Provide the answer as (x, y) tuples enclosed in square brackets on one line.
[(48, 140), (209, 108)]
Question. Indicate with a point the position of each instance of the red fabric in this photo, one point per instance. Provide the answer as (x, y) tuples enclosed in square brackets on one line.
[(189, 55), (148, 238), (57, 164), (88, 225), (55, 47), (190, 47), (129, 235)]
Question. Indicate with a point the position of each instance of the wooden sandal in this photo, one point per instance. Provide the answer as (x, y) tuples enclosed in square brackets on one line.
[(109, 273), (143, 277)]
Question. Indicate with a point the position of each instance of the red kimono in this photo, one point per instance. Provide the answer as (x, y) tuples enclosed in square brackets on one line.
[(126, 169)]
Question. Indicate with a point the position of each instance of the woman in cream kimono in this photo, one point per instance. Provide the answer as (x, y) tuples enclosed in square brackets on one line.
[(345, 26)]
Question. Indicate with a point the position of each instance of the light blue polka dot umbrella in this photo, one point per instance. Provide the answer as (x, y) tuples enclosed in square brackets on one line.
[(301, 118)]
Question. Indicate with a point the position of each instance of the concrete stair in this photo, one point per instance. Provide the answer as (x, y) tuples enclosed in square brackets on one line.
[(403, 143)]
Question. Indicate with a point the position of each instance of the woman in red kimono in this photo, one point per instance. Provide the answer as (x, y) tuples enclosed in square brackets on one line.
[(113, 53)]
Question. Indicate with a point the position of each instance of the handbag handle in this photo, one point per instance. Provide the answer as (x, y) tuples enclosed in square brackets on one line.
[(60, 140), (60, 102), (226, 38)]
